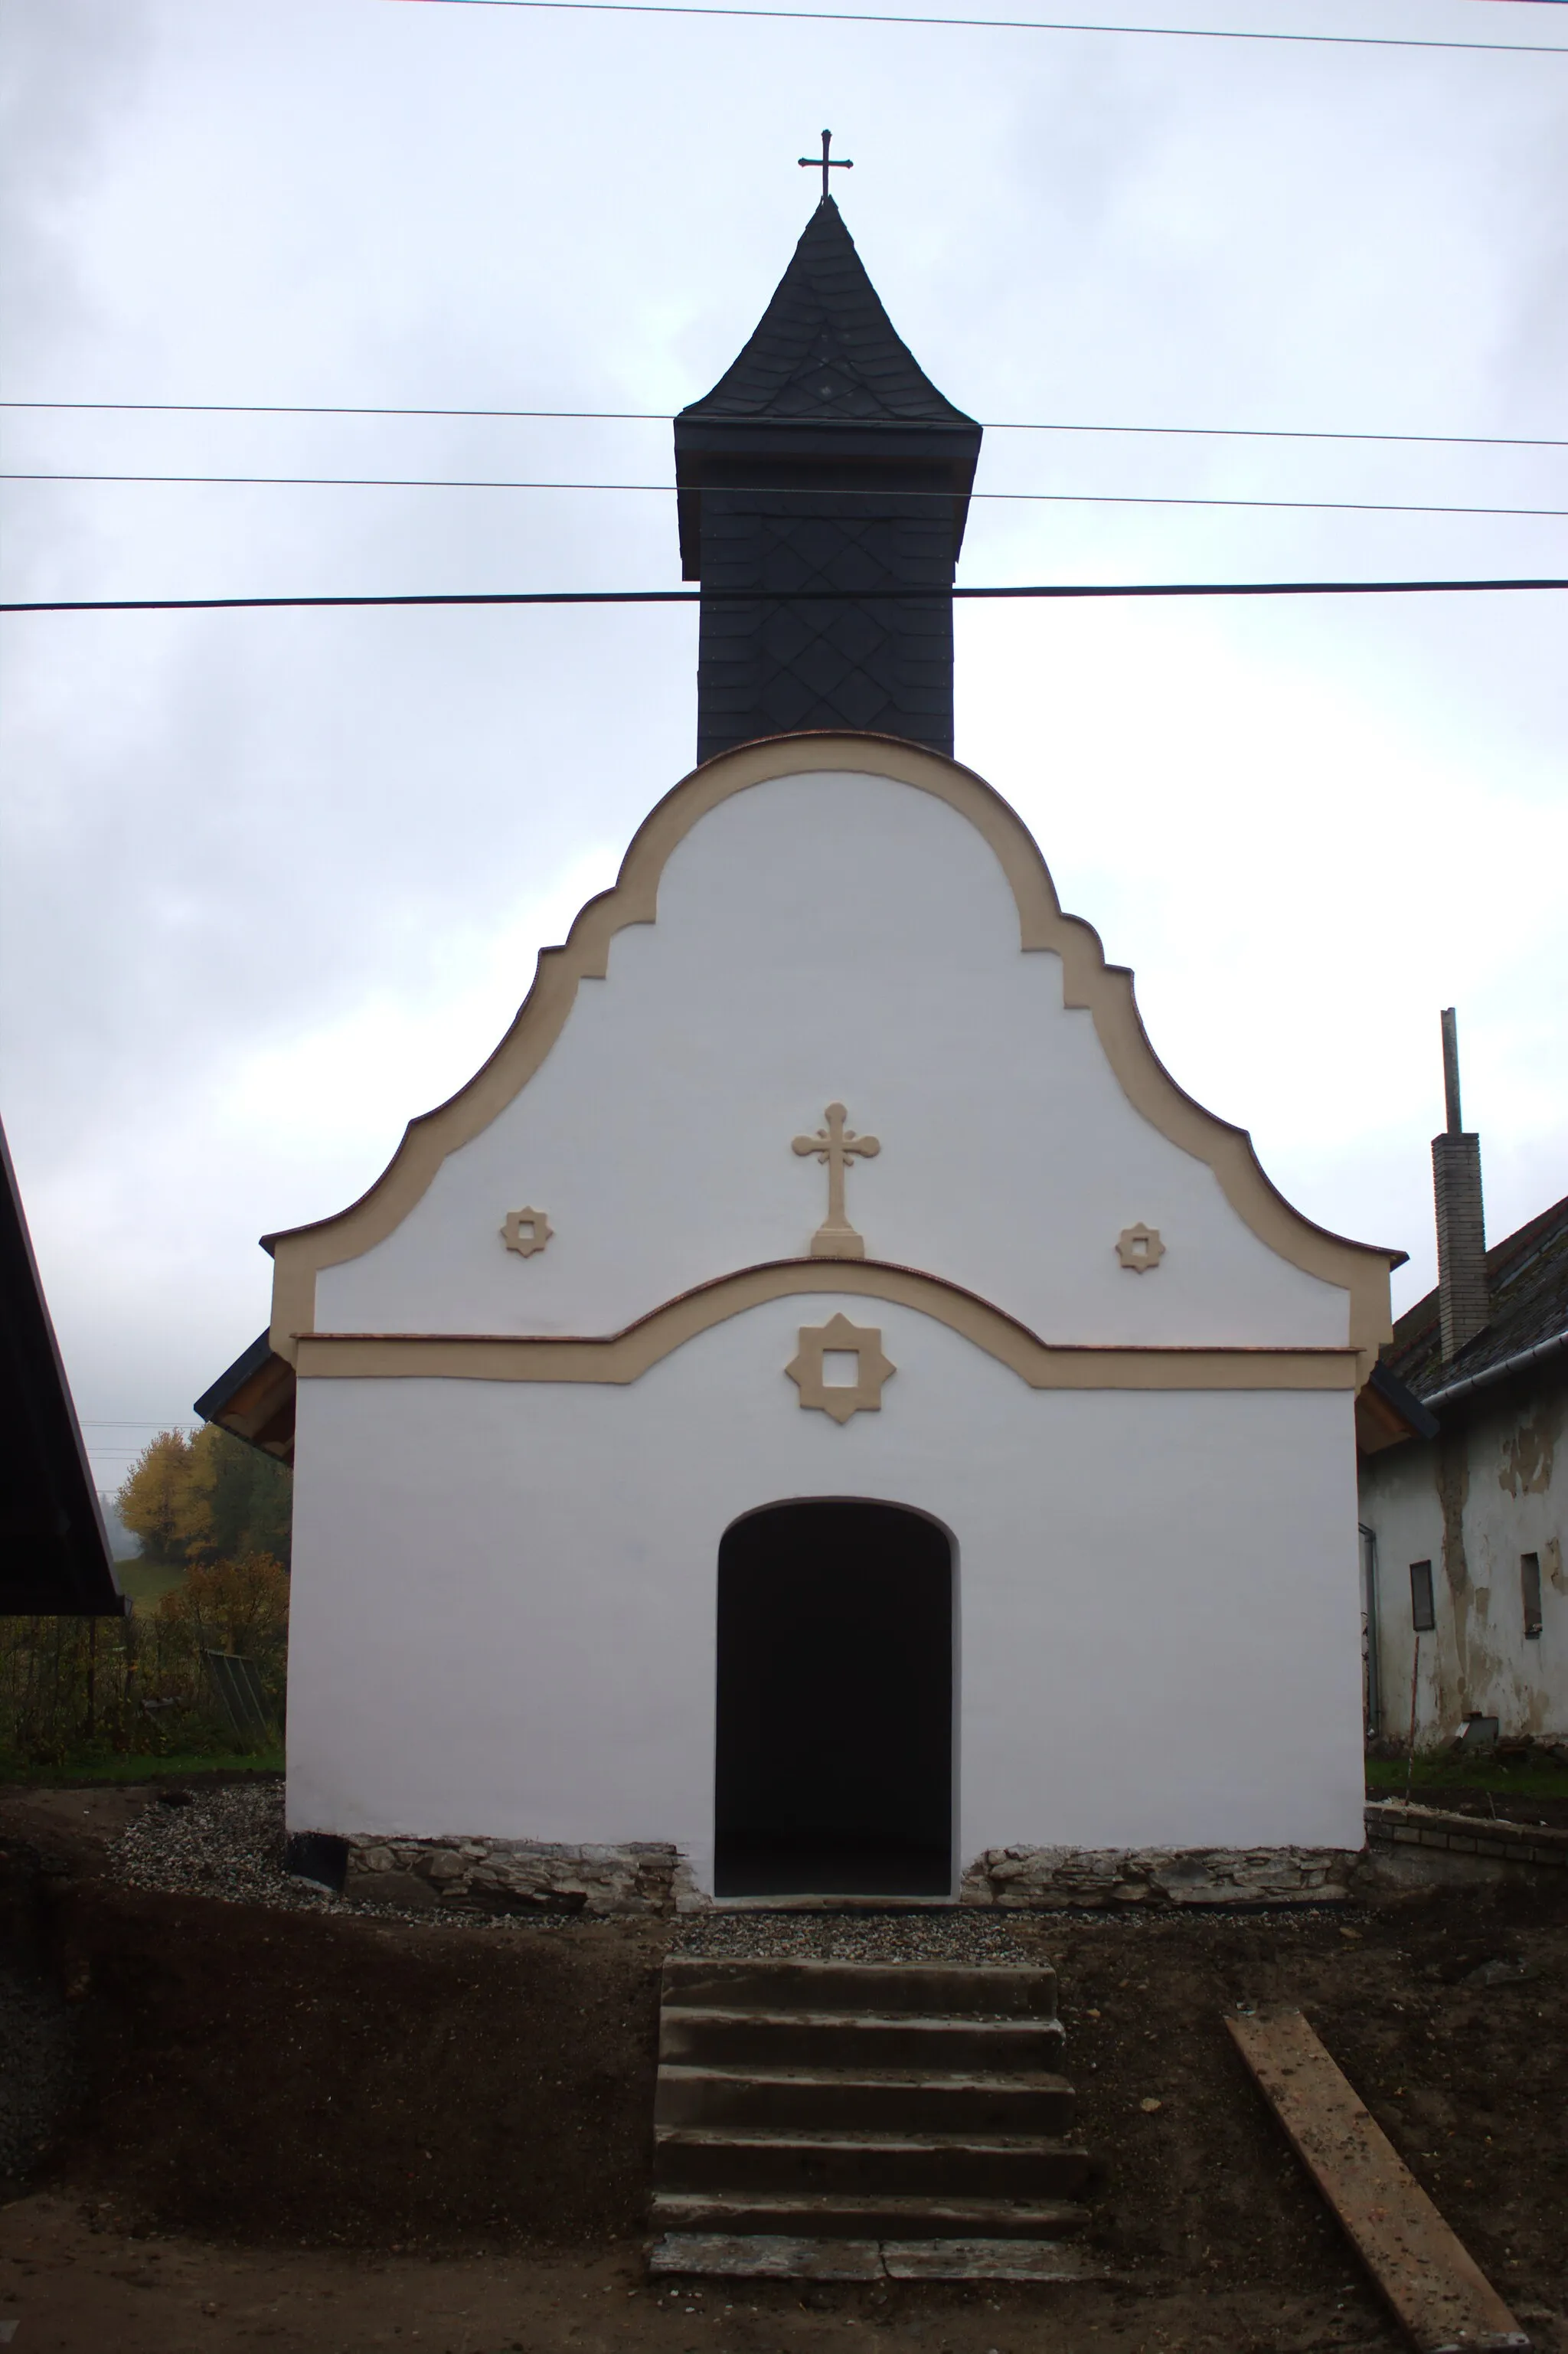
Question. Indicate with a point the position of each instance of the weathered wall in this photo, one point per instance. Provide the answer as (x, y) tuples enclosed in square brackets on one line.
[(505, 1595), (1487, 1490)]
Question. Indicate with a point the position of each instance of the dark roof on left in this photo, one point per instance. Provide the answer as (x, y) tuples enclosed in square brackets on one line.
[(55, 1560)]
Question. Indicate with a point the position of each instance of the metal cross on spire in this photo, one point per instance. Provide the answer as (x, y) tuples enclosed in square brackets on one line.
[(828, 162)]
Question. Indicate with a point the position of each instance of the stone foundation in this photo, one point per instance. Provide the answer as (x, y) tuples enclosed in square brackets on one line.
[(1051, 1879), (1433, 1831), (523, 1876), (652, 1877)]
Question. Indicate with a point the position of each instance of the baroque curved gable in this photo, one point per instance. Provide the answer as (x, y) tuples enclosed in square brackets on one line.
[(1104, 991)]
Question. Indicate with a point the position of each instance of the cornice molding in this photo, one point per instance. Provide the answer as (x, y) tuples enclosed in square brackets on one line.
[(623, 1357), (1104, 990)]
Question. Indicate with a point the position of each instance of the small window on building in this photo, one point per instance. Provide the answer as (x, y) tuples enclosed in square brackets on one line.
[(1421, 1616), (1529, 1583)]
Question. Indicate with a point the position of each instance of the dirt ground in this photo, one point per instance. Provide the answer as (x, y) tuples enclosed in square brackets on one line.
[(1504, 1806), (75, 2288), (335, 2134)]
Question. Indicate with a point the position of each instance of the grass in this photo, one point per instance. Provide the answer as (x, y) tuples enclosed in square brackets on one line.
[(1448, 1769), (97, 1771), (145, 1581)]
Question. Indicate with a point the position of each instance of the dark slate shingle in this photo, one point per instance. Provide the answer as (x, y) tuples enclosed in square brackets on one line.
[(826, 348), (1527, 1277)]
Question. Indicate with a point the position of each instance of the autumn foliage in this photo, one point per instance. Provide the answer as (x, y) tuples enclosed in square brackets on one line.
[(205, 1498), (240, 1606), (83, 1689), (80, 1688)]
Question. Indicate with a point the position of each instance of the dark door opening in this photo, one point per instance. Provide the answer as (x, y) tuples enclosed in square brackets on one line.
[(835, 1703)]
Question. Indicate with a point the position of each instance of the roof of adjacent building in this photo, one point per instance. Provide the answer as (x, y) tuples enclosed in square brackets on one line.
[(254, 1400), (1527, 1278), (55, 1560), (825, 348)]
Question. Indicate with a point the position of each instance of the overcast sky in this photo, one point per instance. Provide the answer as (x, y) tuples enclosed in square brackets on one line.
[(274, 882)]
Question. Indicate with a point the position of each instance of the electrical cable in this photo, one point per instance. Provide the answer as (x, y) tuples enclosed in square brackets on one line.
[(790, 596), (752, 490), (662, 417), (1022, 25)]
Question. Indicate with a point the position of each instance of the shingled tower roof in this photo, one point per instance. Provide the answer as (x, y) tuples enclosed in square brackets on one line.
[(824, 488), (826, 348)]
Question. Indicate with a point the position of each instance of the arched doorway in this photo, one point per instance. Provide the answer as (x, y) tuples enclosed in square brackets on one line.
[(835, 1703)]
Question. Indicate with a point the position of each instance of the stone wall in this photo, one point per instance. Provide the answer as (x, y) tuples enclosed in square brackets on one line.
[(653, 1878), (484, 1875), (1051, 1879), (1390, 1824)]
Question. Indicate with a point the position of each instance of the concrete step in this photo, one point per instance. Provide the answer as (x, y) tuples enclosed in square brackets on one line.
[(760, 2256), (856, 2040), (809, 2217), (746, 2159), (891, 2101), (692, 1981)]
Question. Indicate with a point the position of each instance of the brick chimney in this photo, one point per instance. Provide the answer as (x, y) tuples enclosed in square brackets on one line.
[(1462, 1303)]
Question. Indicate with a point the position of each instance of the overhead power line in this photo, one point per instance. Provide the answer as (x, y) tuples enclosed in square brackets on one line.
[(1053, 590), (1022, 25), (748, 490), (662, 417)]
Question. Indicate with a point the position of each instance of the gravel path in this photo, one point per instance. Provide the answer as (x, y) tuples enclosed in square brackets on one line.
[(958, 1936)]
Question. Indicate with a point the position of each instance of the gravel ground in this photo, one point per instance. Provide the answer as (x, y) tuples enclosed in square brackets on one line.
[(229, 1843), (38, 2078), (956, 1937)]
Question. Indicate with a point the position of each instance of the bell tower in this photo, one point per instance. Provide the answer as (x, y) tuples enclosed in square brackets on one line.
[(824, 459)]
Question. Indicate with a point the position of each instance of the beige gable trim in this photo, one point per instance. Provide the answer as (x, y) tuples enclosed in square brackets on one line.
[(623, 1357), (1106, 991)]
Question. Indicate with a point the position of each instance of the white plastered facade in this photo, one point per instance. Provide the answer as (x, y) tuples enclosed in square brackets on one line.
[(504, 1582)]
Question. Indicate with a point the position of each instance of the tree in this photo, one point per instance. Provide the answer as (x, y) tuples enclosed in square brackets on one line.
[(206, 1499), (150, 1499), (232, 1606), (235, 1500)]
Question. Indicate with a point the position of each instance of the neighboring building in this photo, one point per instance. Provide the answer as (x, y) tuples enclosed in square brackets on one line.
[(54, 1549), (1462, 1516), (822, 1411)]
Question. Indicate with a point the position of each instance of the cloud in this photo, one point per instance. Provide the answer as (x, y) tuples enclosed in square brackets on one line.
[(272, 883)]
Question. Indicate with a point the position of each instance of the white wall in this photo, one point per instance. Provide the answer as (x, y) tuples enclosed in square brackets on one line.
[(504, 1613), (822, 937), (1503, 1474)]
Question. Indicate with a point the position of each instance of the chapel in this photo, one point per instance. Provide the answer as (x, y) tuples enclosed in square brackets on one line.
[(823, 1415)]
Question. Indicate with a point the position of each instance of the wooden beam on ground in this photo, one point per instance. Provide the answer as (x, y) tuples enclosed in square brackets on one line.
[(1436, 2288)]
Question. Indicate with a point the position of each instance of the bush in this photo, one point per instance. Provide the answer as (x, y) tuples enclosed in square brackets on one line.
[(72, 1689)]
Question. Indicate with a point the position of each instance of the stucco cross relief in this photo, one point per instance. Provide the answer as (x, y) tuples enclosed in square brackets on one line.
[(837, 1145)]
